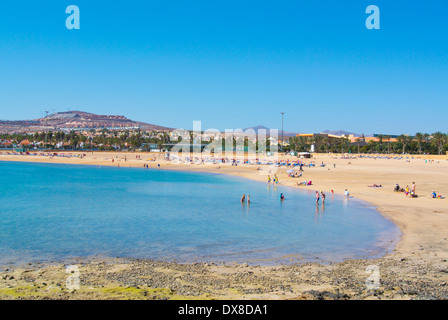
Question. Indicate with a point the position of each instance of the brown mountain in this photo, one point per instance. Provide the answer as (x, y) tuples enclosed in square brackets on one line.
[(78, 120)]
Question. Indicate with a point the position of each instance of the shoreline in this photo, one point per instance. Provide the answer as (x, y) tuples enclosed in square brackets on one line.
[(421, 222), (385, 244)]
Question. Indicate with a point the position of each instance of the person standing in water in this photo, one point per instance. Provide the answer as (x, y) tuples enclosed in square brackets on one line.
[(322, 194), (243, 198), (282, 197), (317, 197), (248, 199)]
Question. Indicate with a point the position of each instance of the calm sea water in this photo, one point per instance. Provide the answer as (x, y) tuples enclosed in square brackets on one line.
[(58, 212)]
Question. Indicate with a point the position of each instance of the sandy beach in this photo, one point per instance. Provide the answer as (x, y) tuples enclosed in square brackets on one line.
[(416, 269)]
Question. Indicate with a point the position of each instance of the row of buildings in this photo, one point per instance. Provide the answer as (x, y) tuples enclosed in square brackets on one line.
[(353, 138)]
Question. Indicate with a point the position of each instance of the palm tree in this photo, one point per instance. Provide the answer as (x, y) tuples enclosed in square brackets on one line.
[(358, 140), (419, 136), (440, 140), (325, 142), (345, 143), (380, 142), (317, 142), (388, 143), (297, 143), (404, 139)]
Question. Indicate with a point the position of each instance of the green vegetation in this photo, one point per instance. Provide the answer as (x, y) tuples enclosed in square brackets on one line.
[(436, 143), (86, 140), (113, 140), (132, 140), (33, 291)]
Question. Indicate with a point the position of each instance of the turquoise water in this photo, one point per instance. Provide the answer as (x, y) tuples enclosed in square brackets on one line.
[(58, 212)]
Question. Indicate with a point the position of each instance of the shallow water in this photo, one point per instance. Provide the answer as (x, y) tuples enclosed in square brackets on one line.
[(59, 212)]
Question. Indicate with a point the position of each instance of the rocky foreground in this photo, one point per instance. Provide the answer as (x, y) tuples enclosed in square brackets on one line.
[(399, 278)]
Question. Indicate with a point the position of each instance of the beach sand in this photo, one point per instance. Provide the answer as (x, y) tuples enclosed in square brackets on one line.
[(416, 269)]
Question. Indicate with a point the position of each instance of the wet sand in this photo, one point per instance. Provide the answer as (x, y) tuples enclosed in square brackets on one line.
[(416, 269)]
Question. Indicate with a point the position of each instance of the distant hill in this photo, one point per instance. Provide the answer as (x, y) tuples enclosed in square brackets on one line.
[(260, 127), (77, 120), (341, 132), (256, 128), (80, 119)]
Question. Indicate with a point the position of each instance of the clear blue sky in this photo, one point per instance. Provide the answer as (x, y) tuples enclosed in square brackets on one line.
[(231, 64)]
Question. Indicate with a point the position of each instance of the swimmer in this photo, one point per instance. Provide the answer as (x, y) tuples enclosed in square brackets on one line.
[(243, 198), (282, 197)]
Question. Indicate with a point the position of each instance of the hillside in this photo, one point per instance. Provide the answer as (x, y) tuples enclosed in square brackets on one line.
[(77, 120)]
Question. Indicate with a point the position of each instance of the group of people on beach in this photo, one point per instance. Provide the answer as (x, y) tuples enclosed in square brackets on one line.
[(318, 196), (407, 191), (275, 179), (146, 166), (305, 183), (247, 199), (410, 192), (434, 195), (243, 198), (294, 174)]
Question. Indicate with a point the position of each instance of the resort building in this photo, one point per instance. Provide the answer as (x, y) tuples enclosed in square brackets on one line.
[(383, 138), (316, 136)]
